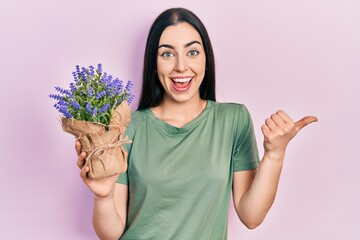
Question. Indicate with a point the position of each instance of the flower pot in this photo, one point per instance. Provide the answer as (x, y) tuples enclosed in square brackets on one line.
[(105, 155)]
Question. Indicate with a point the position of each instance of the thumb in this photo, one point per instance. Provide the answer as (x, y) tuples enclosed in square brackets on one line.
[(305, 121)]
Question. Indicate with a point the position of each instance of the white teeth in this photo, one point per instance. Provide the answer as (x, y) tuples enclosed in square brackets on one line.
[(181, 79)]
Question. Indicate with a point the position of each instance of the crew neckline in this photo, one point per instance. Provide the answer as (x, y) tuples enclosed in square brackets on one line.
[(171, 129)]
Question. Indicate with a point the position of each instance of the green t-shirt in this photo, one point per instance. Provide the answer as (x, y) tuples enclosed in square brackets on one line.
[(180, 179)]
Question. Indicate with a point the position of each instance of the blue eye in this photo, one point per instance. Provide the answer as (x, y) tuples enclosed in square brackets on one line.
[(167, 54), (193, 53)]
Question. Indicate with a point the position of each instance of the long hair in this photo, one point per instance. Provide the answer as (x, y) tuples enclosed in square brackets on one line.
[(152, 91)]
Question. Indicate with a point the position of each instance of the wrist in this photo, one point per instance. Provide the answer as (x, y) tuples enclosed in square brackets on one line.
[(107, 198), (277, 156)]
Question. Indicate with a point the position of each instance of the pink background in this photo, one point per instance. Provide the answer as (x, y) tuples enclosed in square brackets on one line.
[(300, 56)]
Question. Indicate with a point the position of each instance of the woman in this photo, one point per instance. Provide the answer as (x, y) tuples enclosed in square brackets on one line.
[(188, 152)]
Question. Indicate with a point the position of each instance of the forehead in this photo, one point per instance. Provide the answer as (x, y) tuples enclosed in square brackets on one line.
[(180, 33)]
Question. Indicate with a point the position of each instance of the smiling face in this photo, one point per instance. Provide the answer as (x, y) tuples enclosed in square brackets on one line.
[(181, 63)]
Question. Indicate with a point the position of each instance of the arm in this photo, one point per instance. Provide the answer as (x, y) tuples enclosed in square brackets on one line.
[(109, 214), (254, 191), (110, 201)]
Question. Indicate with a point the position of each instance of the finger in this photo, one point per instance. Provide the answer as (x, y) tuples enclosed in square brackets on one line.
[(83, 172), (278, 120), (81, 160), (265, 130), (284, 116), (305, 121), (270, 124), (78, 147)]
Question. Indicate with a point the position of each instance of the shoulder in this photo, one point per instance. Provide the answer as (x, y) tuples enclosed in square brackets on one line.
[(228, 106), (137, 117), (233, 115), (137, 120), (230, 109), (140, 116)]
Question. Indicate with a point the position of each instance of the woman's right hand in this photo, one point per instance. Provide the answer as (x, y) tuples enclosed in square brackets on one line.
[(103, 187)]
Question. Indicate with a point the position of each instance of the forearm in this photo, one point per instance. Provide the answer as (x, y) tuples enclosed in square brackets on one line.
[(107, 222), (258, 199), (253, 205)]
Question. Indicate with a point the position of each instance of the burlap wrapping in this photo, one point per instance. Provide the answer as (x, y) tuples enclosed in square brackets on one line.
[(105, 154)]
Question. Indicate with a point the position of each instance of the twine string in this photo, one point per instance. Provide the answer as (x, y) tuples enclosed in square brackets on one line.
[(104, 147)]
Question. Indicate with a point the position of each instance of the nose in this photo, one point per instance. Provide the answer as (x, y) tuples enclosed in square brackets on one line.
[(181, 64)]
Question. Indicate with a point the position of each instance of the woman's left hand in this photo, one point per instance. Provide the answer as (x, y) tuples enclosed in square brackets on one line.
[(279, 129)]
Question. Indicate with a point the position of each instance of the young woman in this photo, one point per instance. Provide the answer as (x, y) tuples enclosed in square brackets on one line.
[(188, 152)]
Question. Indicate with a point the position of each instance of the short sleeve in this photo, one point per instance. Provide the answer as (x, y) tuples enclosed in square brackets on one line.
[(245, 154), (124, 178)]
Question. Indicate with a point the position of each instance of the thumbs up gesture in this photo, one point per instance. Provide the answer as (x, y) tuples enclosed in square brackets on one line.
[(279, 129)]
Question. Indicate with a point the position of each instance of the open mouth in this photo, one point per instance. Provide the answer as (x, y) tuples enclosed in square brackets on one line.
[(182, 83)]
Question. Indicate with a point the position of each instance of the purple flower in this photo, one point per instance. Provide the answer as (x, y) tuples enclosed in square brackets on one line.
[(105, 108), (131, 98), (104, 79), (90, 92), (99, 68), (88, 108), (59, 105), (83, 74), (75, 75), (60, 90), (62, 103), (72, 87), (65, 112), (117, 86), (75, 105), (63, 91), (101, 94), (92, 72), (56, 97), (129, 86)]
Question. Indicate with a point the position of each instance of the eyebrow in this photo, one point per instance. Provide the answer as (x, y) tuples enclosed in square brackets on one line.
[(186, 45)]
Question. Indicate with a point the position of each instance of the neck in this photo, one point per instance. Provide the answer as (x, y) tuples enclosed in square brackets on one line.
[(179, 113)]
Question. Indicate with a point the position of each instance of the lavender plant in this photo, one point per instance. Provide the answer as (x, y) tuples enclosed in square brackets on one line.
[(92, 96)]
